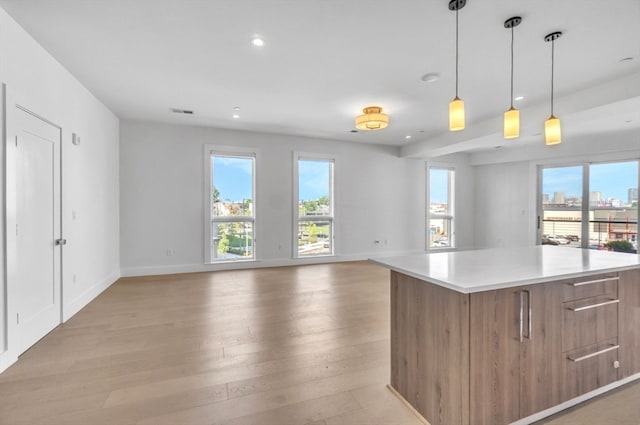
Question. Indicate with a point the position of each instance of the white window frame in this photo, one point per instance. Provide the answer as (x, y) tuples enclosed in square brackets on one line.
[(301, 156), (451, 195), (229, 151)]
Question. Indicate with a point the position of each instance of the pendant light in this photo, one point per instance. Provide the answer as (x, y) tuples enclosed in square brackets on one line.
[(512, 116), (456, 107), (552, 134)]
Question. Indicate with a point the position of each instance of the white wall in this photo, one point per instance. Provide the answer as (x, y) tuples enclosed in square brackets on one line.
[(506, 182), (90, 185), (504, 216), (379, 196)]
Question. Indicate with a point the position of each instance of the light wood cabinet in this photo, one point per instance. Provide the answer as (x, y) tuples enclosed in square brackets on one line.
[(629, 324), (497, 356), (590, 345), (515, 358), (429, 349)]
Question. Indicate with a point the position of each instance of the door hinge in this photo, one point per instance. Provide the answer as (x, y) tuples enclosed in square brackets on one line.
[(61, 241), (17, 318)]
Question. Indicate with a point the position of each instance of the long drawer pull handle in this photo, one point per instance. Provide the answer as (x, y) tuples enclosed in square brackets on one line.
[(587, 307), (590, 282), (597, 353)]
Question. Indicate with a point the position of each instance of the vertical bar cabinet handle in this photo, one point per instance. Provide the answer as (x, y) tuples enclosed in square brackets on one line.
[(521, 336), (529, 315)]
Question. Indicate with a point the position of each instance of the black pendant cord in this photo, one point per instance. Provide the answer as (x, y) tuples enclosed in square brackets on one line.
[(511, 67), (456, 53), (552, 56)]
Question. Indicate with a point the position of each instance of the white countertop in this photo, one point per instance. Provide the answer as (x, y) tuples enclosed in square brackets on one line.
[(487, 269)]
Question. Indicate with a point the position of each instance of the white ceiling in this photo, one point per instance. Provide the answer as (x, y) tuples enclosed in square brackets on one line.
[(324, 60)]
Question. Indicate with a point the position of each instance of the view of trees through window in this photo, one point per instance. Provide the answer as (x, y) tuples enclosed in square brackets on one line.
[(611, 213), (232, 207), (315, 208)]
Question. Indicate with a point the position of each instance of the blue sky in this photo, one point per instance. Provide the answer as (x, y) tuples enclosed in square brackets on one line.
[(438, 181), (612, 179), (313, 179), (232, 177)]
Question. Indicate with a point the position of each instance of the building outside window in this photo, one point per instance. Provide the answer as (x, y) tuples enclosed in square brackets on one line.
[(608, 221), (314, 206), (440, 196), (230, 207)]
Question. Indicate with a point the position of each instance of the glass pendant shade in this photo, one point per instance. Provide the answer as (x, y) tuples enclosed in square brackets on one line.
[(511, 123), (552, 135), (456, 114), (372, 119)]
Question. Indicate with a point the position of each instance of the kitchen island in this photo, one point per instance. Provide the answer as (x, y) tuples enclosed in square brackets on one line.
[(505, 336)]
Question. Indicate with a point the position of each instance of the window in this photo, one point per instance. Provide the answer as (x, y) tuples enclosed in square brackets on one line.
[(230, 207), (314, 222), (562, 206), (441, 207), (613, 206), (608, 221)]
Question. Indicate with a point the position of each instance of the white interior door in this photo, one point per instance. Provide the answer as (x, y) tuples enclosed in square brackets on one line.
[(33, 226)]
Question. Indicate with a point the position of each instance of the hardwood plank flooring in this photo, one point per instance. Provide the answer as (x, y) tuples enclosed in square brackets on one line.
[(302, 345)]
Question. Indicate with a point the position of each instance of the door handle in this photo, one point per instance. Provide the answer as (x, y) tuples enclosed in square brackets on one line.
[(60, 242)]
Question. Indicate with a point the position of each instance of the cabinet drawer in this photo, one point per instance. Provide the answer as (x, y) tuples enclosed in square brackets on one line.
[(590, 286), (589, 321), (589, 368)]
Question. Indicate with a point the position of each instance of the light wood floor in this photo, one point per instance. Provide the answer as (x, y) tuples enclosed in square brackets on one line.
[(298, 345)]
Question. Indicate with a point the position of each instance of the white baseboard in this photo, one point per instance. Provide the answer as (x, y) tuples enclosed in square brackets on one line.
[(570, 403), (72, 307), (239, 265), (6, 360)]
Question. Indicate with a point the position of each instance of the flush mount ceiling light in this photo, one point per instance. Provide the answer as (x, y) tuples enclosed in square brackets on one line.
[(512, 116), (372, 119), (257, 41), (552, 134), (456, 107)]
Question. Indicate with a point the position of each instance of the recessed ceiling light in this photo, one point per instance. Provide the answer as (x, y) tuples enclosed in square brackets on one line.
[(408, 136), (627, 59), (430, 77), (236, 116), (518, 98), (257, 41)]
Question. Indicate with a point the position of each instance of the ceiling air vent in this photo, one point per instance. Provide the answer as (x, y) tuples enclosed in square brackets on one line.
[(181, 111)]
